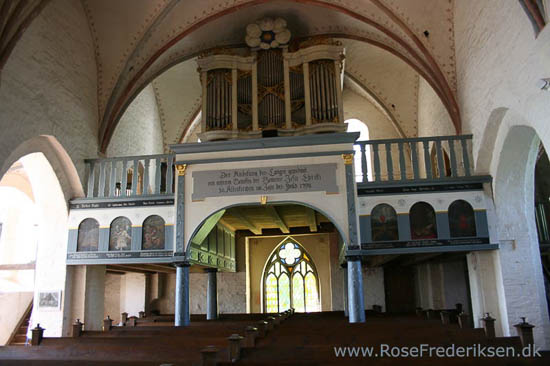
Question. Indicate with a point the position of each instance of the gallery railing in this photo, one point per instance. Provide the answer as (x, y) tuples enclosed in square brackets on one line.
[(116, 177), (413, 159), (410, 160)]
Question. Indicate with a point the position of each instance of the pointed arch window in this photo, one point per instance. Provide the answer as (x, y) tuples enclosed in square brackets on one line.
[(290, 280)]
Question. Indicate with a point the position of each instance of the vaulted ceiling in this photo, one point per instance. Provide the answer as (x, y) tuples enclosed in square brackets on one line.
[(136, 40), (390, 43)]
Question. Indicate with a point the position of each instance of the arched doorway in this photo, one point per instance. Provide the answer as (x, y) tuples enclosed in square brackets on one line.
[(39, 178), (290, 280), (283, 239)]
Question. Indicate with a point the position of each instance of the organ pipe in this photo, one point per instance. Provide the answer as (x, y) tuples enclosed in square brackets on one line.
[(272, 93)]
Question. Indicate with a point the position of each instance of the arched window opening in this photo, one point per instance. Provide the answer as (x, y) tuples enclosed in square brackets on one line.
[(355, 125), (462, 222), (120, 234), (153, 233), (290, 280), (422, 221), (384, 223), (88, 236)]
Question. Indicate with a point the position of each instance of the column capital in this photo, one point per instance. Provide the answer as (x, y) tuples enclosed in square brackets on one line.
[(353, 258), (210, 270), (182, 264), (181, 169)]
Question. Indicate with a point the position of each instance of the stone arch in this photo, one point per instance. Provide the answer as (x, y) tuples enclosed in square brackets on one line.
[(488, 140), (338, 224), (514, 201), (54, 182), (56, 156)]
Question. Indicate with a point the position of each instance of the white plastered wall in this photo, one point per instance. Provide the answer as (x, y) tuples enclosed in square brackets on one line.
[(373, 287)]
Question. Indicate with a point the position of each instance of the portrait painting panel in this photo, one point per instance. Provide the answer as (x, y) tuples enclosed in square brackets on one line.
[(120, 234), (88, 236), (462, 222), (153, 233), (384, 223), (422, 220)]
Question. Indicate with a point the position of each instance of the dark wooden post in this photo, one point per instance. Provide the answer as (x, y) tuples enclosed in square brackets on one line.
[(107, 324), (489, 325), (132, 321), (262, 328), (525, 332), (464, 320), (209, 356), (37, 335), (277, 318), (250, 336), (234, 347), (445, 317), (270, 323), (77, 328)]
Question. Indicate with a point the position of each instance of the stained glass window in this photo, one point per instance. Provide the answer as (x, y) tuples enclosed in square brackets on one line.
[(290, 280)]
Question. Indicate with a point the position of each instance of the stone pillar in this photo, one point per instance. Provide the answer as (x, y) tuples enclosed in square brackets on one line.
[(94, 297), (487, 289), (345, 269), (212, 295), (182, 317), (356, 300)]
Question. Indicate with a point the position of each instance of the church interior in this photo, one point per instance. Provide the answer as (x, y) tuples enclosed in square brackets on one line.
[(274, 182)]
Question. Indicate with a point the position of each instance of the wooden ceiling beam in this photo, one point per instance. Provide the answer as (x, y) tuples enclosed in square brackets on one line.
[(277, 218), (164, 268), (224, 222), (378, 261), (239, 215), (419, 258), (311, 218), (129, 268)]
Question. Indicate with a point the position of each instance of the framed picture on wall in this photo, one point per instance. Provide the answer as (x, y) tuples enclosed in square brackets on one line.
[(50, 300)]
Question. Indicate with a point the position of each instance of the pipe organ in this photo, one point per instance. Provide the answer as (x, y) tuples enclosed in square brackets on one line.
[(286, 90)]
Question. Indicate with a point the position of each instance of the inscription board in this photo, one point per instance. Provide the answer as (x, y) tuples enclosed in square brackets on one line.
[(122, 204), (364, 191), (424, 243), (118, 255), (268, 180)]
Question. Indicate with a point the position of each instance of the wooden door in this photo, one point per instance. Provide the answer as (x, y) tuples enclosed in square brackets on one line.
[(399, 288)]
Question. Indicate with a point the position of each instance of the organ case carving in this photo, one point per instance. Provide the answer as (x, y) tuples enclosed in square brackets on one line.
[(273, 89)]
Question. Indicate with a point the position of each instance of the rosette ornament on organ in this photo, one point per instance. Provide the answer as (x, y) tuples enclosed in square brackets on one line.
[(272, 88)]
